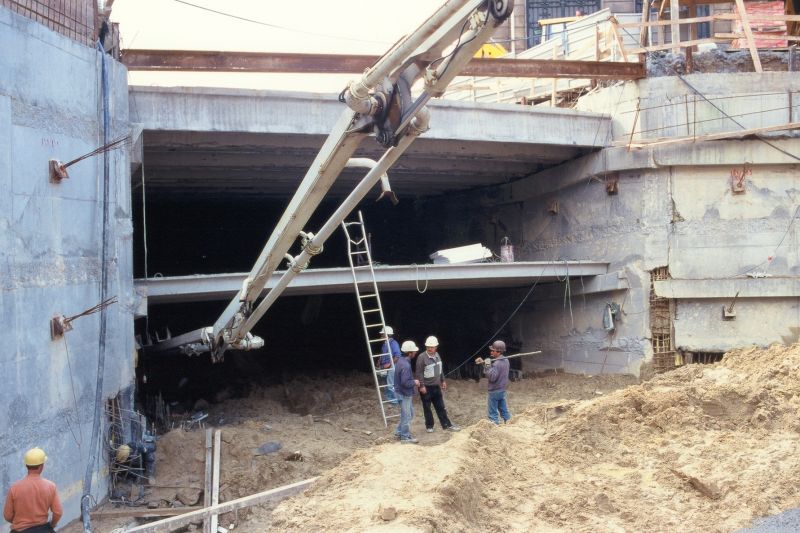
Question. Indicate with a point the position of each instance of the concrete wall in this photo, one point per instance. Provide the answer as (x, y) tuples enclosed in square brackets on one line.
[(50, 252), (676, 208)]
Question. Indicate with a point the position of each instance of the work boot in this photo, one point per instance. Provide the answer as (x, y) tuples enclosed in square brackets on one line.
[(411, 440)]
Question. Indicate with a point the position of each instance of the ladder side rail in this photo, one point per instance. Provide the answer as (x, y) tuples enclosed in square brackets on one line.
[(364, 323)]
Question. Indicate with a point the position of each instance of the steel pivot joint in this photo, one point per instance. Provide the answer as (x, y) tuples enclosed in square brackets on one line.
[(308, 245)]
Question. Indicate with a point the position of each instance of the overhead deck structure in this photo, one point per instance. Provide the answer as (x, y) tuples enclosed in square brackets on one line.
[(204, 141)]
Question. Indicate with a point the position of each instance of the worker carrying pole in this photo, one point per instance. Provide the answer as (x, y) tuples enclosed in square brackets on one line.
[(31, 499)]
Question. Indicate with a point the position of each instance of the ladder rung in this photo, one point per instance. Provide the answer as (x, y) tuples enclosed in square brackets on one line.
[(377, 340), (371, 311), (374, 325), (373, 295), (396, 415), (358, 253)]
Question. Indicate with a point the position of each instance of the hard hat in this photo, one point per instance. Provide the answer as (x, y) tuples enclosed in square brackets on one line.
[(387, 330), (499, 346), (431, 341), (35, 457), (409, 346), (123, 453)]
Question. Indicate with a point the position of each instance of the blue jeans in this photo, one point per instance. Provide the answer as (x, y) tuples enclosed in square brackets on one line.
[(390, 389), (406, 414), (497, 401)]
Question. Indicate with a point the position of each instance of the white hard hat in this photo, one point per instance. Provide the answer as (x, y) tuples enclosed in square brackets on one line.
[(409, 346), (431, 341), (387, 330)]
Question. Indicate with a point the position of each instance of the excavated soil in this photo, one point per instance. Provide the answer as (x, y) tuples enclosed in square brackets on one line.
[(702, 448), (322, 421)]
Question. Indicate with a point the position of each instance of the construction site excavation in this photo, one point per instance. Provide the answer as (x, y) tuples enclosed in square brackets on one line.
[(465, 265)]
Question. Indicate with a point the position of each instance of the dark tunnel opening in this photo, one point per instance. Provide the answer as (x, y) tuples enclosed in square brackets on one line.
[(311, 336)]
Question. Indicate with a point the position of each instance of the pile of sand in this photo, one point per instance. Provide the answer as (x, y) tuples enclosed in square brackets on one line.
[(701, 448)]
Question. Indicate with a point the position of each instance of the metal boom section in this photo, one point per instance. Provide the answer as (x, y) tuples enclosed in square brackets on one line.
[(378, 104)]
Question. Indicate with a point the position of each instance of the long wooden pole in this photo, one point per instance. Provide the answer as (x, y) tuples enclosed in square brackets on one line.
[(515, 355), (171, 524)]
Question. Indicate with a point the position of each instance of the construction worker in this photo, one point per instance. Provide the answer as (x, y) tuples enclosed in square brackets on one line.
[(31, 499), (432, 383), (391, 352), (496, 370), (404, 383)]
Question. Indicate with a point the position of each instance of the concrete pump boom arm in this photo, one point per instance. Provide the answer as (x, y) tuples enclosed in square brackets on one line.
[(380, 103)]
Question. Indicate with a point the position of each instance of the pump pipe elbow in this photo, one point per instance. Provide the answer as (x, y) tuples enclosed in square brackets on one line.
[(419, 124), (357, 98)]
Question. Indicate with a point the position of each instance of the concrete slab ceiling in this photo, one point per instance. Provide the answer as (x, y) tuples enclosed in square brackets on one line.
[(212, 142), (390, 278)]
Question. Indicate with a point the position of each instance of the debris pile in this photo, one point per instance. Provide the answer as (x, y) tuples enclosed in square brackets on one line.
[(700, 448)]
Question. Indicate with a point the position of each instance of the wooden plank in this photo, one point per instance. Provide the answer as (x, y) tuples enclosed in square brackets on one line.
[(618, 39), (669, 45), (139, 512), (643, 25), (751, 43), (208, 486), (766, 37), (675, 29), (215, 479), (714, 136), (646, 24), (170, 524)]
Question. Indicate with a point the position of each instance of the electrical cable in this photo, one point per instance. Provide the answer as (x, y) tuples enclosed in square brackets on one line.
[(416, 280), (277, 27), (491, 339), (104, 282), (78, 441)]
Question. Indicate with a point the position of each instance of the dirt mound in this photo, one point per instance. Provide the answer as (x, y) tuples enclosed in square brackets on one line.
[(701, 448)]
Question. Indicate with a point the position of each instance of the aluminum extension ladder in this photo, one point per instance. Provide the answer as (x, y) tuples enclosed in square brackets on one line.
[(369, 306)]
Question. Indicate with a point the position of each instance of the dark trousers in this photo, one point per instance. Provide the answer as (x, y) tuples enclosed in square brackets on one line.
[(44, 528), (434, 396)]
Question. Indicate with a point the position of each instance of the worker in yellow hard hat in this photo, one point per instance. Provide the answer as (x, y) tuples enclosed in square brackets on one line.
[(31, 499)]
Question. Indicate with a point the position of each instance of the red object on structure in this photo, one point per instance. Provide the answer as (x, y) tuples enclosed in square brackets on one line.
[(762, 23)]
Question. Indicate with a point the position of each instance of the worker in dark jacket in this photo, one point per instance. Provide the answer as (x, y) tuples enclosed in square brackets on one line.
[(404, 384), (496, 371), (431, 377), (31, 499)]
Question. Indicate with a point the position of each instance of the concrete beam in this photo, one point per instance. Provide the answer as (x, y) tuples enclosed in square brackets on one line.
[(727, 288), (213, 61), (389, 278), (184, 109), (618, 159)]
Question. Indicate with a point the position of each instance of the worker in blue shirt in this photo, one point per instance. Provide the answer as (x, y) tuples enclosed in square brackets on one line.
[(391, 352)]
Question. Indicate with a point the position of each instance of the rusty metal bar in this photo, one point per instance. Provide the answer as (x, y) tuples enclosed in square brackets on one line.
[(210, 61)]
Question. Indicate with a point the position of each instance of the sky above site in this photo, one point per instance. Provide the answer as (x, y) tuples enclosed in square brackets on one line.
[(300, 26)]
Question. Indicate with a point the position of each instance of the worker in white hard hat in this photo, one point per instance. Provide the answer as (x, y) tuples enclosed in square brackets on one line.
[(31, 500), (390, 352), (404, 389), (431, 378), (496, 370)]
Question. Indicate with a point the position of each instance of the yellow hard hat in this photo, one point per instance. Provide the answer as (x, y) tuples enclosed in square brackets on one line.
[(123, 453), (35, 457)]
